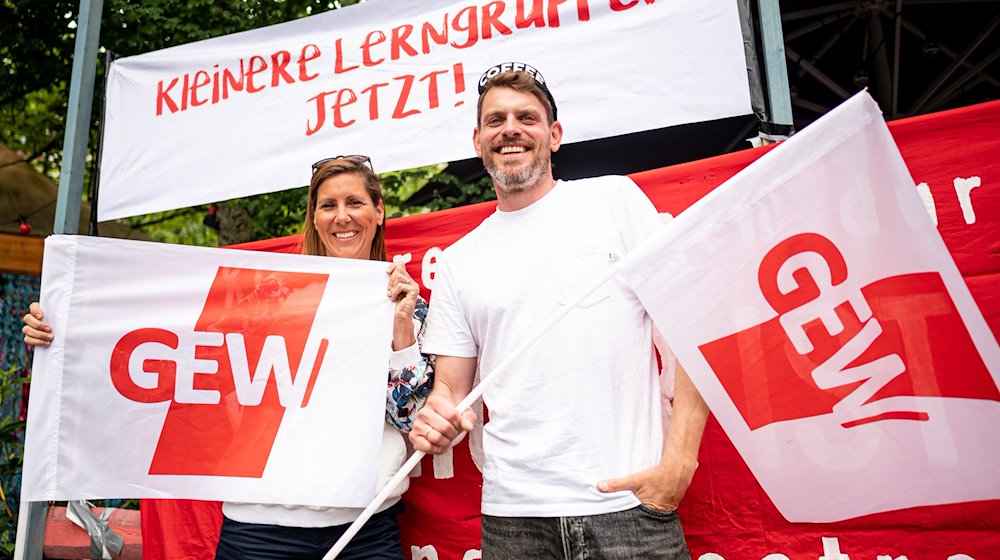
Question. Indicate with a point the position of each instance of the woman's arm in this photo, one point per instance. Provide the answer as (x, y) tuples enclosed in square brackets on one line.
[(410, 371), (411, 375)]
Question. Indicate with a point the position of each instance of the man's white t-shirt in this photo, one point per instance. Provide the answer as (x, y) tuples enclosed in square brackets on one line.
[(583, 403)]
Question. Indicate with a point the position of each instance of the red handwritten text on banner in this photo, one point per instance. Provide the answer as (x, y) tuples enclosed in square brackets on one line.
[(400, 96)]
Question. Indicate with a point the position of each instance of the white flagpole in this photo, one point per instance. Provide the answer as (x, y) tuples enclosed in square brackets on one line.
[(476, 392)]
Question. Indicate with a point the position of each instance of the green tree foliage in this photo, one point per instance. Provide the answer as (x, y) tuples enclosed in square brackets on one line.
[(37, 38), (36, 53), (447, 190)]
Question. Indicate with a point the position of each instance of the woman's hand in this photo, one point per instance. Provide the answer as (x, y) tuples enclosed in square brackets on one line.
[(404, 291), (36, 332)]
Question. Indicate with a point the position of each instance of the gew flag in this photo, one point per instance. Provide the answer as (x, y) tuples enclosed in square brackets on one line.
[(817, 310)]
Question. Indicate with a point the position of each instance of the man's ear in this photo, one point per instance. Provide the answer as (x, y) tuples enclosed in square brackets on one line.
[(475, 141), (555, 136)]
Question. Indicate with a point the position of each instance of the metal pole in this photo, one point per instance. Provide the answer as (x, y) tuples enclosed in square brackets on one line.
[(959, 61), (894, 109), (32, 515), (81, 100), (758, 98), (774, 63), (880, 59), (95, 172)]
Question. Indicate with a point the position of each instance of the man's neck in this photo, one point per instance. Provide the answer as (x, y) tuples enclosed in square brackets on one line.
[(512, 202)]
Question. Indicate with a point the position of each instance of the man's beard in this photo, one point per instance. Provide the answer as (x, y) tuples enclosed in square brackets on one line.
[(518, 180)]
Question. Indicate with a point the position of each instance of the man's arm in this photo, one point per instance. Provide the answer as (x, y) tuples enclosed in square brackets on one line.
[(438, 423), (663, 485)]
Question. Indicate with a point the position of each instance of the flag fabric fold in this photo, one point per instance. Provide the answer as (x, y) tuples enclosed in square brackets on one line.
[(814, 305)]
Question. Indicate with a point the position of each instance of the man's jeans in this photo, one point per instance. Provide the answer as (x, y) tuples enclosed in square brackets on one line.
[(637, 533)]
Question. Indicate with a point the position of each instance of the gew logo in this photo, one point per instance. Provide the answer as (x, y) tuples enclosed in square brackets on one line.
[(229, 381), (864, 355)]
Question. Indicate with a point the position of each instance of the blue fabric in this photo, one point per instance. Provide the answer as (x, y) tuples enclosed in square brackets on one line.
[(409, 387), (377, 540), (640, 533)]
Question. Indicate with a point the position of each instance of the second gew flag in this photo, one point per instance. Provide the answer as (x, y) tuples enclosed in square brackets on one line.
[(817, 309)]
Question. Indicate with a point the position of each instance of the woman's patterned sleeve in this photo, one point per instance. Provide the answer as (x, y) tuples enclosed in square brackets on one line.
[(411, 374)]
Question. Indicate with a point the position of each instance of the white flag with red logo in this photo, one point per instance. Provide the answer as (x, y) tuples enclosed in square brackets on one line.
[(208, 374), (817, 310)]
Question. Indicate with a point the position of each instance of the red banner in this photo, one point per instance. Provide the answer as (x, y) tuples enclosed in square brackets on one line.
[(953, 158)]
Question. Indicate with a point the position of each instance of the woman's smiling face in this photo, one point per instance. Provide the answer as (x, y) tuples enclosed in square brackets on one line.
[(345, 216)]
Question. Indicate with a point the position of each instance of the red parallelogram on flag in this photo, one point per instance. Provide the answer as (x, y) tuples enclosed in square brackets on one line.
[(815, 306)]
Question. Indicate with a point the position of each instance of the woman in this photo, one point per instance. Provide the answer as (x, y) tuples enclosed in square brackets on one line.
[(345, 218)]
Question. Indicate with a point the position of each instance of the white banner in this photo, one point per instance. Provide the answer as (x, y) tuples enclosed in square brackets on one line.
[(817, 309), (208, 374), (248, 113)]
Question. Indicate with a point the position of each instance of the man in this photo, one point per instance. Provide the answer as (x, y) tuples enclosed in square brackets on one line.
[(576, 462)]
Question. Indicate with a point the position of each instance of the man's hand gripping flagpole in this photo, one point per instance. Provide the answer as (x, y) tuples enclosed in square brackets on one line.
[(464, 405)]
